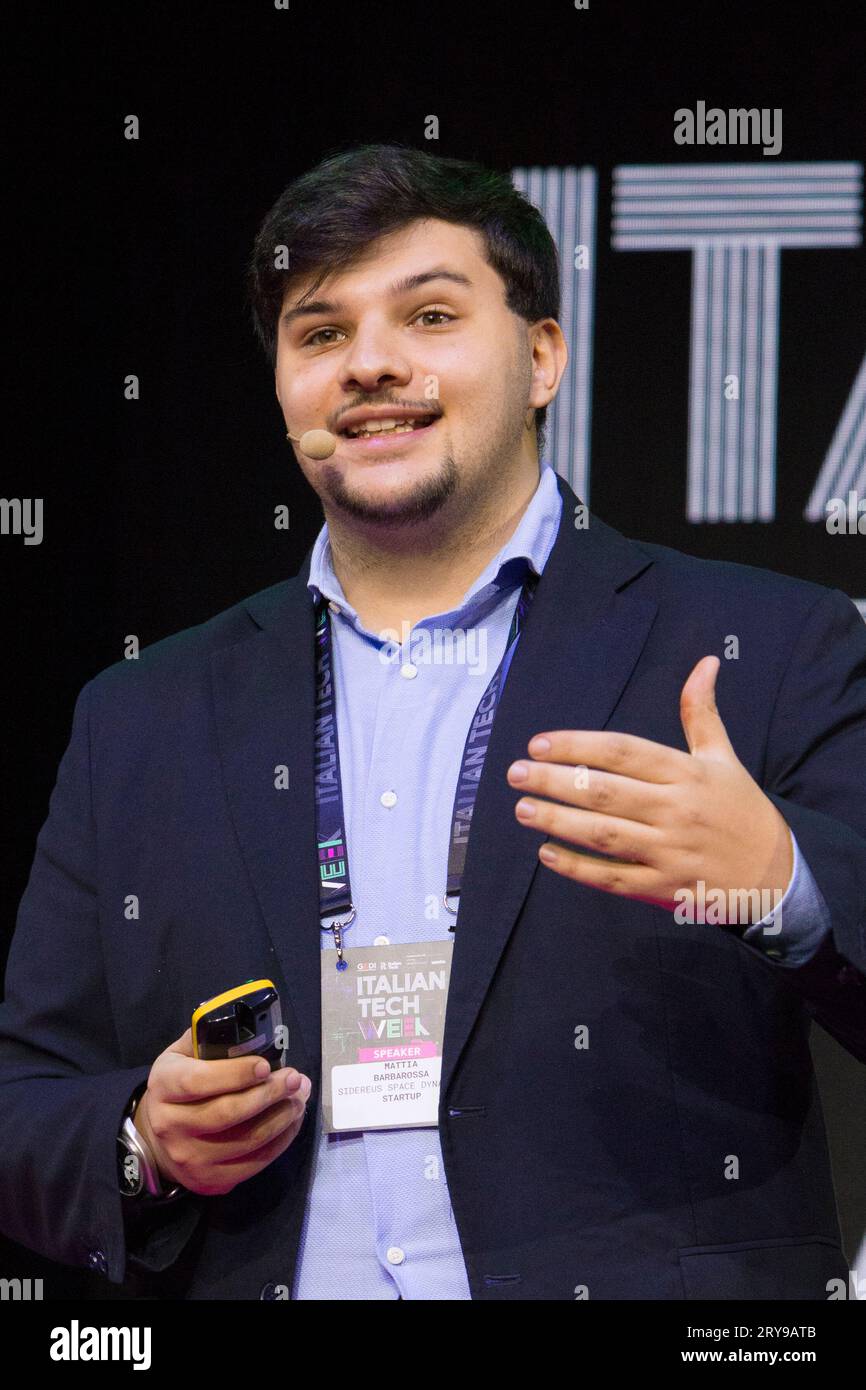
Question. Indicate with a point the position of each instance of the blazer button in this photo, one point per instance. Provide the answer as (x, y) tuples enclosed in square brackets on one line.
[(96, 1259)]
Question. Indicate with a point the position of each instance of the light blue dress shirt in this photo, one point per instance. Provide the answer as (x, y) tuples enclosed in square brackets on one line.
[(378, 1222)]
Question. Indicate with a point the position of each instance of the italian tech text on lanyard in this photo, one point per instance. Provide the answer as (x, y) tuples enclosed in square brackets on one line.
[(334, 884)]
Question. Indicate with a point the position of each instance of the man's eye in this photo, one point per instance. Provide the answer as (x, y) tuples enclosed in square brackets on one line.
[(425, 313), (313, 336), (435, 313)]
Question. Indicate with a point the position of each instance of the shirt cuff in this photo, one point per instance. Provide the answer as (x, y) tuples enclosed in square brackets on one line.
[(791, 934)]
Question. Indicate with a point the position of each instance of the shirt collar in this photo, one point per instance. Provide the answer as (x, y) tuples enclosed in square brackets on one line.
[(527, 548)]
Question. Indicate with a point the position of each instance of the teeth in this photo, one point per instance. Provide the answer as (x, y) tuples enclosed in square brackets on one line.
[(375, 427), (383, 427)]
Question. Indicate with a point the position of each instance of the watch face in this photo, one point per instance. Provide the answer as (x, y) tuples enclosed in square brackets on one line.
[(129, 1175)]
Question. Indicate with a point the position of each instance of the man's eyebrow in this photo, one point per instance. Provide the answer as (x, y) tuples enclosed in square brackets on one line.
[(404, 286)]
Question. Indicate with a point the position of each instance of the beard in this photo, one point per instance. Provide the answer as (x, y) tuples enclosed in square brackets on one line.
[(428, 498), (408, 506)]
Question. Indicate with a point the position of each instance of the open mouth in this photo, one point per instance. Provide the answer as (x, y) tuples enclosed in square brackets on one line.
[(400, 432)]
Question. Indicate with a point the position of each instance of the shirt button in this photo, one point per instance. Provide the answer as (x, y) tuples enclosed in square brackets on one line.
[(395, 1256), (382, 941), (96, 1259), (409, 671), (388, 799), (334, 607)]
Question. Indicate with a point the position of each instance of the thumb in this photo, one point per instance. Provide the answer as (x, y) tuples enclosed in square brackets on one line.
[(699, 715), (182, 1044)]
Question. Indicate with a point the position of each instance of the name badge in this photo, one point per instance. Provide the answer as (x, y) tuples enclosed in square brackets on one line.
[(383, 1020)]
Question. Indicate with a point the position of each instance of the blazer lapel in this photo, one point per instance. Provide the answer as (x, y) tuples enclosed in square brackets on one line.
[(582, 638), (263, 691)]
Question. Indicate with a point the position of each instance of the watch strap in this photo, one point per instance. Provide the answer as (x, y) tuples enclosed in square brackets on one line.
[(147, 1186)]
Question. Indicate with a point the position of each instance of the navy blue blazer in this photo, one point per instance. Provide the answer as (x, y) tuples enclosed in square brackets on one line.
[(596, 1172)]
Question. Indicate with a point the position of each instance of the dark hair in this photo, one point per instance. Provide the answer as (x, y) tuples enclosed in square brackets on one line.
[(327, 217)]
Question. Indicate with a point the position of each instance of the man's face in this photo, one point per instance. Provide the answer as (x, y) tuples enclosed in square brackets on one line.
[(447, 347)]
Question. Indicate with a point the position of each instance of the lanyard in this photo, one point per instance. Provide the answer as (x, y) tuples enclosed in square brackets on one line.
[(334, 885)]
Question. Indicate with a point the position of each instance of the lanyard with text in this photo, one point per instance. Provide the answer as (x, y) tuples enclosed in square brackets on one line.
[(334, 885)]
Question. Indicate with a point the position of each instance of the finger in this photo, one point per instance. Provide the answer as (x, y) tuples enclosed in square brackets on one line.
[(602, 792), (224, 1176), (702, 724), (185, 1079), (252, 1161), (626, 754), (243, 1140), (623, 880), (215, 1114), (225, 1113), (625, 839)]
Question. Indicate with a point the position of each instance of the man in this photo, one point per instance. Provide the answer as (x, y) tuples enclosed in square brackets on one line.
[(627, 1106)]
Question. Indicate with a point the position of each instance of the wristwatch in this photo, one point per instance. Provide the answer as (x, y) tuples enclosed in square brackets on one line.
[(137, 1174)]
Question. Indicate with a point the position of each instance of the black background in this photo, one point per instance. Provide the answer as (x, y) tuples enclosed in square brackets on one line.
[(128, 258)]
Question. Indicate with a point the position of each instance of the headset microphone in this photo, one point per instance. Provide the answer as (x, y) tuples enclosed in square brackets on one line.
[(316, 444)]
